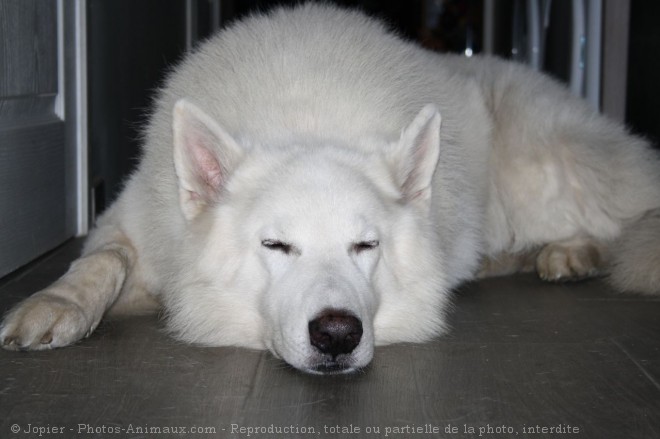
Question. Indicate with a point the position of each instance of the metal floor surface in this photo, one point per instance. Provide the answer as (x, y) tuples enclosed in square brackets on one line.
[(523, 359)]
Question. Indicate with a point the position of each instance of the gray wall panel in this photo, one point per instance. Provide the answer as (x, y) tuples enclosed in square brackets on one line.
[(32, 190), (28, 47)]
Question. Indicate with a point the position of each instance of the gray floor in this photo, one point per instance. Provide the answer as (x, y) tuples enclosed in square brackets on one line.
[(522, 355)]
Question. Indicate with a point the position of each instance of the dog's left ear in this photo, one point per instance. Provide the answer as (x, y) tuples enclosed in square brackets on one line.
[(205, 155), (415, 157)]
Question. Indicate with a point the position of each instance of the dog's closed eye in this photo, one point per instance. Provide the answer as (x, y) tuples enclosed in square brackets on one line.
[(275, 245), (362, 246)]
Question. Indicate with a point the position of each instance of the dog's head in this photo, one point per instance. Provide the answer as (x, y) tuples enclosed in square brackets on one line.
[(314, 250)]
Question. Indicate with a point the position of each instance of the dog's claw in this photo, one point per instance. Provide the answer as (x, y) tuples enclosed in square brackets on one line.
[(47, 338), (10, 342)]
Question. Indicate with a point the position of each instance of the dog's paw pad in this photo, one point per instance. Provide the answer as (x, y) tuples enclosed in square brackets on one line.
[(558, 262)]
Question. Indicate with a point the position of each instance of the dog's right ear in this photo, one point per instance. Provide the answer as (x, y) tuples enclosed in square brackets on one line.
[(204, 157)]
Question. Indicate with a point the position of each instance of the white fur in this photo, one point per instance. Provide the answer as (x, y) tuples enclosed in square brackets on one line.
[(315, 127)]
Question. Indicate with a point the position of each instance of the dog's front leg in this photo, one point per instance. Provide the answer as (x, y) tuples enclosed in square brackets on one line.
[(72, 307)]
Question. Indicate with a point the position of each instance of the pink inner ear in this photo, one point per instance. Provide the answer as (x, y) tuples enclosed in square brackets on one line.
[(206, 165)]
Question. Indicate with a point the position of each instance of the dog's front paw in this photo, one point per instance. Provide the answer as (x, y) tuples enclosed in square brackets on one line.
[(44, 321)]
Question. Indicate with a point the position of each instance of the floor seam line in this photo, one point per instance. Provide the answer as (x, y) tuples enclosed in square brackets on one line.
[(640, 366)]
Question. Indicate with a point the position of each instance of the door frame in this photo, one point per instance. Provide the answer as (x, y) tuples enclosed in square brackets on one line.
[(72, 30)]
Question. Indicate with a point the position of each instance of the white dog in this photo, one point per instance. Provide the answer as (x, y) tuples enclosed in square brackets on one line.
[(314, 185)]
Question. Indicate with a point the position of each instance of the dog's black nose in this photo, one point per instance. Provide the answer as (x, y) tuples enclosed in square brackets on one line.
[(335, 332)]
